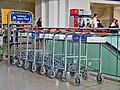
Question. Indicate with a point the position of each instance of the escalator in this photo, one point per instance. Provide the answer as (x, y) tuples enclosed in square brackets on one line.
[(110, 57), (111, 60)]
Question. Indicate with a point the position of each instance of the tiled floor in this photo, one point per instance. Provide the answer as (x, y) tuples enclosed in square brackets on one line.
[(15, 78)]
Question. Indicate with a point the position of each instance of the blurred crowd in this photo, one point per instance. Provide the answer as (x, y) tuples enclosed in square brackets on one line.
[(96, 23)]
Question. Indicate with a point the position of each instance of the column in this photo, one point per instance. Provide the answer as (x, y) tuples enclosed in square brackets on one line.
[(63, 13), (41, 10), (53, 13), (38, 9)]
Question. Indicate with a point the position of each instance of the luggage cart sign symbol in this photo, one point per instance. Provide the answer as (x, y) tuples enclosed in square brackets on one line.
[(20, 17), (35, 33), (77, 37)]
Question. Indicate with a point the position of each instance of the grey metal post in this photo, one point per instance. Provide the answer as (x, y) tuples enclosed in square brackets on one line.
[(86, 51), (53, 51), (20, 43), (79, 56), (117, 54), (27, 47), (65, 54), (73, 51), (34, 48), (100, 58), (8, 45), (43, 48)]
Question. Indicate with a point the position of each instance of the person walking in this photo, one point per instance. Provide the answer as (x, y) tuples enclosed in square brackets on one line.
[(94, 21)]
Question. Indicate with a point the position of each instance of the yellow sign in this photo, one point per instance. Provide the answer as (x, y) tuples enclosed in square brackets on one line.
[(5, 15)]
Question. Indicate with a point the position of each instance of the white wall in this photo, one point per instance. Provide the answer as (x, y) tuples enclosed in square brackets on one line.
[(117, 14), (83, 4)]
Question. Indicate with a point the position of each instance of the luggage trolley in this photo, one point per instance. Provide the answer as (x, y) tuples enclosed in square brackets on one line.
[(38, 53), (97, 37), (55, 63), (13, 45), (17, 51), (52, 61), (72, 66), (57, 59), (48, 61), (98, 40), (42, 57), (46, 56), (16, 17), (29, 56), (21, 52)]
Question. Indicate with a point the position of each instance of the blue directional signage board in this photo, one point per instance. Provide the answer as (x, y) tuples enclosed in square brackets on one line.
[(77, 37), (20, 17)]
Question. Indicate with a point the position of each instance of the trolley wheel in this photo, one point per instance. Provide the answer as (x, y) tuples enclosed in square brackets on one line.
[(14, 61), (34, 67), (42, 70), (19, 63), (51, 73), (65, 76), (85, 74), (78, 80), (100, 78), (26, 65)]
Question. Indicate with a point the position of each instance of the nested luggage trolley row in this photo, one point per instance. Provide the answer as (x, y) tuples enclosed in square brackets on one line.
[(35, 47)]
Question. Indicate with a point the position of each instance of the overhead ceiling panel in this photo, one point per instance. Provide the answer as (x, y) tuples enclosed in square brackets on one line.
[(24, 1)]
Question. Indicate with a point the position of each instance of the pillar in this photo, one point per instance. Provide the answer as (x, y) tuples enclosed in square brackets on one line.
[(53, 13), (41, 10)]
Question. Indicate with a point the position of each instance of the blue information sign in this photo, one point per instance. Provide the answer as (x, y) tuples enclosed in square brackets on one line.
[(20, 17), (77, 37)]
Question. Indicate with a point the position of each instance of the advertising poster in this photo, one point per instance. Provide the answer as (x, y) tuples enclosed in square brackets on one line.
[(4, 15), (1, 47), (0, 17)]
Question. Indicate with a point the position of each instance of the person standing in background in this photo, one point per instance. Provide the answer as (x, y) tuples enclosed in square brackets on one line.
[(100, 24), (81, 22), (94, 21), (116, 23), (39, 23), (113, 24)]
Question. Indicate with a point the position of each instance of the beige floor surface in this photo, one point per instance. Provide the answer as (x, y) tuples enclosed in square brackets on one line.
[(14, 78)]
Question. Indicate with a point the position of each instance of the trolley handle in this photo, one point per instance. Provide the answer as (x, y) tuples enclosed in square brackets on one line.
[(69, 33), (57, 32), (85, 34)]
